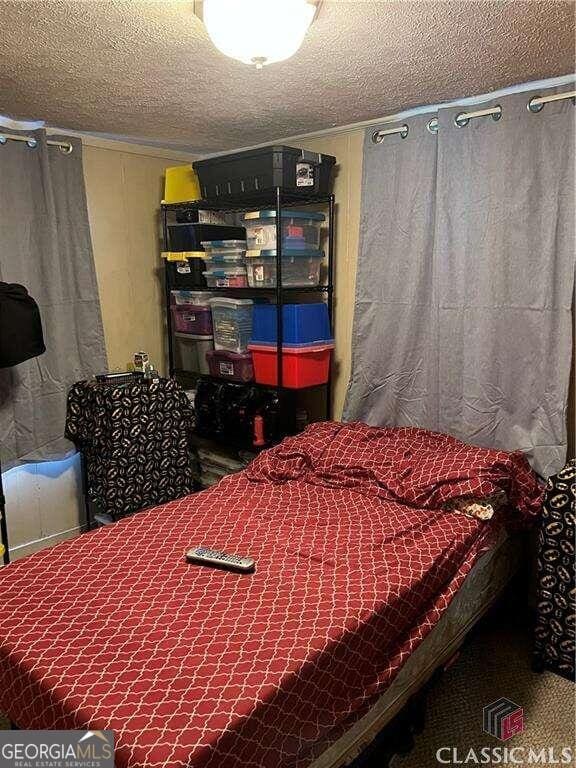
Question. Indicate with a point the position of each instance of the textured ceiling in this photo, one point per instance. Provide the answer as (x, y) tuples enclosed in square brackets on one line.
[(147, 70)]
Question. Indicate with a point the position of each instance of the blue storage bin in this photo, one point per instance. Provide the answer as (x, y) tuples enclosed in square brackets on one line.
[(301, 324)]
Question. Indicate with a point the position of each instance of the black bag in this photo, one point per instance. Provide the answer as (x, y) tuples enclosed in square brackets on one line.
[(226, 411), (20, 326)]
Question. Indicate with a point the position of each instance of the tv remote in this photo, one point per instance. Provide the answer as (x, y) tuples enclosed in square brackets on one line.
[(215, 559)]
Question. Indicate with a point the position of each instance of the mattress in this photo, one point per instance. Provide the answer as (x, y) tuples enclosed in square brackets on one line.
[(357, 560), (483, 585)]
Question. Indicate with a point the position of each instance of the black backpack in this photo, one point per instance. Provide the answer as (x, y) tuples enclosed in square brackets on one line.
[(20, 326)]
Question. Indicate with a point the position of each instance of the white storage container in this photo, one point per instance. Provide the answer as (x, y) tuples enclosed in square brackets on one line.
[(299, 268), (190, 352), (232, 323), (300, 229)]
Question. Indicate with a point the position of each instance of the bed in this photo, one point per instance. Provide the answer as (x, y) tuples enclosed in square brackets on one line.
[(359, 556)]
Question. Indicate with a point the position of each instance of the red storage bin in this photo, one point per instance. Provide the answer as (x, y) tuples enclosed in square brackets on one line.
[(302, 366), (192, 318), (230, 365)]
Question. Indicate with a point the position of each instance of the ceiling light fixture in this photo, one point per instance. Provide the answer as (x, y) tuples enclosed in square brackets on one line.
[(257, 32)]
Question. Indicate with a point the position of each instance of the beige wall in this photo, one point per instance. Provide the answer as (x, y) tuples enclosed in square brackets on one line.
[(124, 190), (124, 185), (347, 148)]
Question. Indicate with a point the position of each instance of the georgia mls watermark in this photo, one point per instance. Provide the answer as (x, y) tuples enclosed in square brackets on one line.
[(56, 749), (503, 719)]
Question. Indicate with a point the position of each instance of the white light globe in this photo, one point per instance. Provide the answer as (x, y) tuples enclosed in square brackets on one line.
[(258, 31)]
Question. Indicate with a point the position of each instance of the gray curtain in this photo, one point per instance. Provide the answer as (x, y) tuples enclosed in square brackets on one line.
[(465, 279), (45, 245)]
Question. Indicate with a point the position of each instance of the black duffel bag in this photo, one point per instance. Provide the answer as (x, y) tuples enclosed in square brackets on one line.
[(20, 326)]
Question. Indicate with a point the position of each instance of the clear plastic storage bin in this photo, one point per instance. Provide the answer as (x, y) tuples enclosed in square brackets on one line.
[(224, 254), (223, 246), (227, 277), (299, 268), (198, 298), (300, 229), (190, 352), (226, 262), (225, 259), (232, 323)]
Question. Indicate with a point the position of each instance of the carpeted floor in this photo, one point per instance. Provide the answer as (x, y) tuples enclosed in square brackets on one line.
[(495, 662)]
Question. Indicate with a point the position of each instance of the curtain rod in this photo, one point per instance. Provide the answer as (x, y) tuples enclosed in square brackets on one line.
[(535, 105), (428, 109), (64, 146)]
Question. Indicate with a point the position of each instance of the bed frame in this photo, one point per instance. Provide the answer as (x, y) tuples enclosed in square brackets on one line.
[(389, 726)]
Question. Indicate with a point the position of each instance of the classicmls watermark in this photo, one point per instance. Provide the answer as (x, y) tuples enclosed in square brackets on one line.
[(505, 756), (56, 749), (504, 719)]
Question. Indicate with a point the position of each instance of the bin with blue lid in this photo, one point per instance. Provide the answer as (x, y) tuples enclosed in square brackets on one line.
[(300, 268), (300, 229)]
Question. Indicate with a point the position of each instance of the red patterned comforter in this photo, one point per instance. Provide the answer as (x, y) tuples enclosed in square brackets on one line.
[(356, 561)]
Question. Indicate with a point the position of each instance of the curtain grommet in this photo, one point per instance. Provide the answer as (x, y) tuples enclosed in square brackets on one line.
[(32, 143), (432, 125), (463, 118), (402, 131), (3, 140), (65, 149), (537, 103), (534, 108)]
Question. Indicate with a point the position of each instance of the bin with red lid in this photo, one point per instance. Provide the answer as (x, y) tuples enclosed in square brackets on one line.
[(303, 365)]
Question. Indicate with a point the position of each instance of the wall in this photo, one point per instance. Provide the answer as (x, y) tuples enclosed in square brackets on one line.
[(124, 189), (347, 148), (124, 185)]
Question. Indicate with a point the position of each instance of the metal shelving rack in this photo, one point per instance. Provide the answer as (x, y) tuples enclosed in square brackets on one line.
[(278, 199)]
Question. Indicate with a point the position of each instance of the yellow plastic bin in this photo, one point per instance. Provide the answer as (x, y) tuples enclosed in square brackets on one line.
[(181, 184)]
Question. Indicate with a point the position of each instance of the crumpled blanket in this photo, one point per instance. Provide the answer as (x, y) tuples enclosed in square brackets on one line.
[(407, 465)]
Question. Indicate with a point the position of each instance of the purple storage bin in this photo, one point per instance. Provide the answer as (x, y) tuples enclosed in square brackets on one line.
[(230, 365), (192, 318)]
